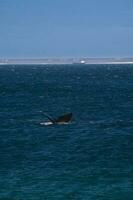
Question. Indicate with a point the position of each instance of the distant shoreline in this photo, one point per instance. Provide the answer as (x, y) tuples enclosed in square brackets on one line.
[(66, 61), (96, 63)]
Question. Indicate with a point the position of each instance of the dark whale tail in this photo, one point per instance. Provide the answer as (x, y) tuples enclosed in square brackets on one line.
[(61, 119), (64, 118)]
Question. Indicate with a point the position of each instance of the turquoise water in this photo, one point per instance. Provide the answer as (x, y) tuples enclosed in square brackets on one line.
[(89, 159)]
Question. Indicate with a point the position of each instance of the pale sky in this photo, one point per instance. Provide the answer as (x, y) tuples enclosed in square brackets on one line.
[(66, 28)]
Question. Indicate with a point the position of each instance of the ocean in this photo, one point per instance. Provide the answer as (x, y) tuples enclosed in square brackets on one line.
[(90, 158)]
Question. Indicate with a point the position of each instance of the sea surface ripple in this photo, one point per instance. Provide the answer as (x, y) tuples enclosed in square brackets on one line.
[(89, 159)]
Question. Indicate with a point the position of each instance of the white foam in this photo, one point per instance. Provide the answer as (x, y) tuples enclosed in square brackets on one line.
[(46, 123)]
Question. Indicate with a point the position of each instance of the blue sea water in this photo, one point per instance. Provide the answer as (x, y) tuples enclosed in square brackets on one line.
[(89, 159)]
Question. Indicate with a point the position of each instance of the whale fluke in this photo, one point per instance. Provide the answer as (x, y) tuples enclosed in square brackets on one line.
[(50, 118), (61, 119), (64, 118)]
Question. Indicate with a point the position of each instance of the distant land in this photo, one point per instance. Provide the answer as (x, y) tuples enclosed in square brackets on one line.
[(50, 61)]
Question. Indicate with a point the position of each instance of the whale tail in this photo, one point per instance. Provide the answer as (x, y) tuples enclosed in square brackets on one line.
[(64, 118), (61, 119)]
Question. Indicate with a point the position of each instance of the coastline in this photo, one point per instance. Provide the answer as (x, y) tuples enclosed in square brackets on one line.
[(66, 61), (93, 63)]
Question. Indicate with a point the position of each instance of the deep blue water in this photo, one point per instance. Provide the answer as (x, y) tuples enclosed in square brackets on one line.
[(88, 159)]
